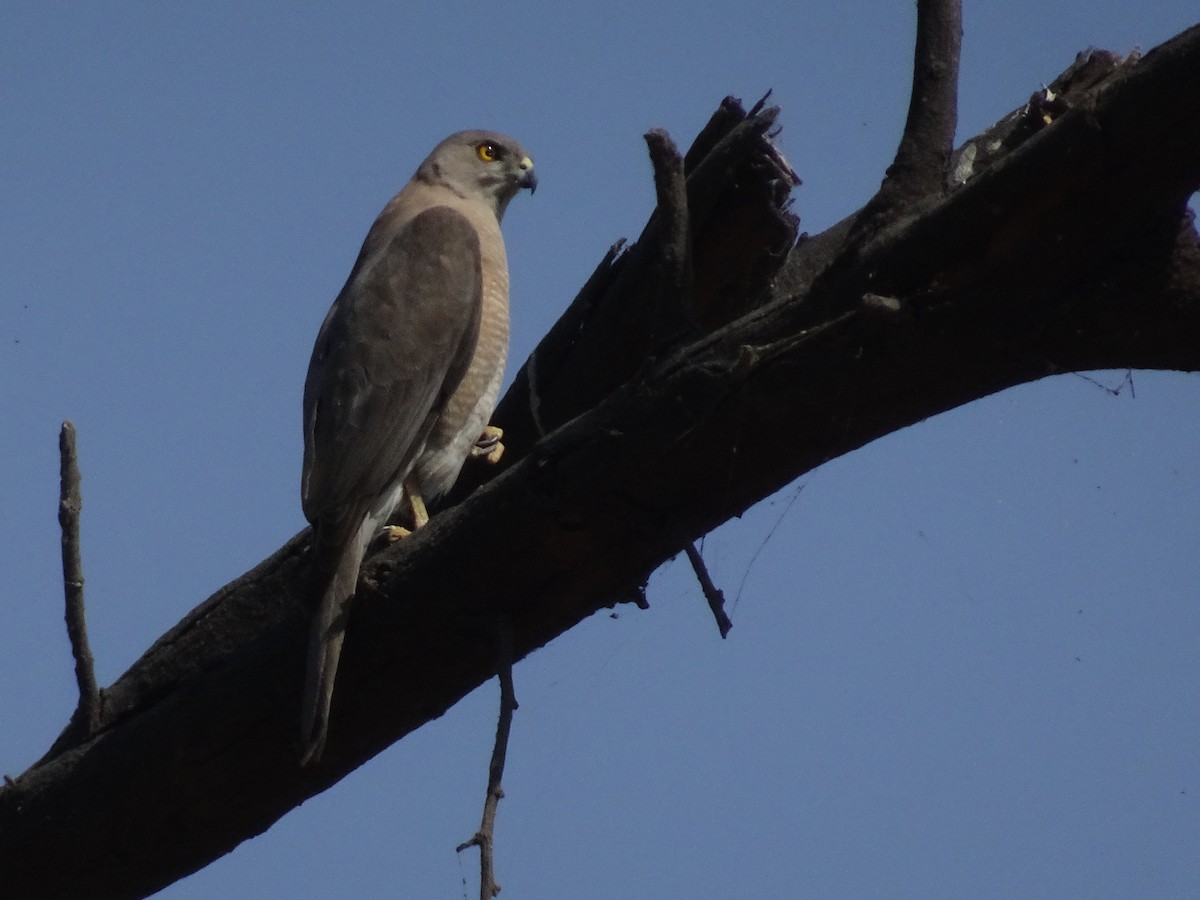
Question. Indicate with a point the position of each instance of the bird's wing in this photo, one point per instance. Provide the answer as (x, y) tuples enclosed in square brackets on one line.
[(391, 350)]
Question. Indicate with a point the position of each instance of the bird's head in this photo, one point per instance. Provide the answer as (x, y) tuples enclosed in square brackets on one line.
[(481, 164)]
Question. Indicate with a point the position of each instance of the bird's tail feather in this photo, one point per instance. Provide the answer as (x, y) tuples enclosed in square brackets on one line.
[(325, 645)]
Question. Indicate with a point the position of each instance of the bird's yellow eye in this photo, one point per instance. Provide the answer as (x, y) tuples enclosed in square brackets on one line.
[(487, 152)]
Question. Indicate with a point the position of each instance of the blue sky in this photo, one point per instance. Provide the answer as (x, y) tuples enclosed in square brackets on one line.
[(964, 657)]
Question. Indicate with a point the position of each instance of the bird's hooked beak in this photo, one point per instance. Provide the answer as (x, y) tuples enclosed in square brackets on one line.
[(528, 177)]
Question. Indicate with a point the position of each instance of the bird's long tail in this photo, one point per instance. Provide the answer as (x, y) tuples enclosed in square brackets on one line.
[(340, 566)]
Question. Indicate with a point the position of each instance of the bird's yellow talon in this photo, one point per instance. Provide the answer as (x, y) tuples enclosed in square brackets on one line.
[(488, 447), (393, 533)]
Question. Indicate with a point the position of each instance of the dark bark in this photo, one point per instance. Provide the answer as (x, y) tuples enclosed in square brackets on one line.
[(917, 174), (1062, 242)]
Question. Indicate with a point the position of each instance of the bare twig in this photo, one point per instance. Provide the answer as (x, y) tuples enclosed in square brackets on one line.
[(714, 595), (670, 186), (87, 713), (484, 837)]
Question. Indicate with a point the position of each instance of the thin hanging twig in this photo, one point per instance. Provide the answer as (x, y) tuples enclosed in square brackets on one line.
[(484, 837), (713, 594)]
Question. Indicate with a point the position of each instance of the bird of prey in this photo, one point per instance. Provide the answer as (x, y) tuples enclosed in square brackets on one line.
[(405, 374)]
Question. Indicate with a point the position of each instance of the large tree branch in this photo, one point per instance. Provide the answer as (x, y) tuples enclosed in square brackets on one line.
[(1062, 246)]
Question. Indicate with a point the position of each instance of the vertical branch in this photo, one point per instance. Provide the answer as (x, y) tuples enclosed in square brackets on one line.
[(484, 837), (87, 713), (923, 155), (928, 137)]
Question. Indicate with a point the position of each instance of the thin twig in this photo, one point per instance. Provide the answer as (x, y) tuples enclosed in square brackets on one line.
[(87, 713), (484, 837), (714, 595)]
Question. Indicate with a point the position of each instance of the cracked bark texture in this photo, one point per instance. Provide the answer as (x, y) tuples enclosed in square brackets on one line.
[(1058, 241)]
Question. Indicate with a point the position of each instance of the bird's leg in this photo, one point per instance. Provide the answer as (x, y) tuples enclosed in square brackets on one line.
[(416, 505), (488, 447)]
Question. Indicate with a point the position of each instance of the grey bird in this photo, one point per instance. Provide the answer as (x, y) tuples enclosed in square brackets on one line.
[(404, 375)]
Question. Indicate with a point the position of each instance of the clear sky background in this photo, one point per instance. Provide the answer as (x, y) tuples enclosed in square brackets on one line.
[(964, 660)]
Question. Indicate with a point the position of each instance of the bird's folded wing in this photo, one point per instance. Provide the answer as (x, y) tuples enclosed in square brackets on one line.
[(394, 345)]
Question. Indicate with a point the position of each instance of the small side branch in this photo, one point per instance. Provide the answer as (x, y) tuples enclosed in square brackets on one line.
[(714, 595), (87, 714), (923, 155), (933, 108), (484, 837)]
